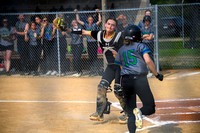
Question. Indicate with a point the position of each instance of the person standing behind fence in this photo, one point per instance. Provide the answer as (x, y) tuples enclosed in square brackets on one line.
[(124, 23), (22, 46), (48, 51), (147, 37), (77, 49), (7, 43), (38, 21), (92, 45), (141, 23), (33, 37)]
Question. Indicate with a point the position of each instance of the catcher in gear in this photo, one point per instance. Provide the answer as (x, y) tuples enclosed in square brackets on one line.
[(134, 57), (110, 42)]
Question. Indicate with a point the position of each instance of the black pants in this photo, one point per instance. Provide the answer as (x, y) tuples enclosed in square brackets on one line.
[(132, 86), (34, 54), (63, 51), (48, 55), (92, 48), (112, 72), (23, 49), (77, 50)]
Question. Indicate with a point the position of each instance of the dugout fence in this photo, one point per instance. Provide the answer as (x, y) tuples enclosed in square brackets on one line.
[(176, 40)]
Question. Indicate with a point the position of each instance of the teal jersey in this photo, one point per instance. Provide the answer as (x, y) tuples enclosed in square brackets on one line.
[(32, 38), (5, 32), (130, 57), (48, 31)]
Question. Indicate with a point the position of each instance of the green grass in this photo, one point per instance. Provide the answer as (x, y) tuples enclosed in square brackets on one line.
[(173, 55), (176, 49)]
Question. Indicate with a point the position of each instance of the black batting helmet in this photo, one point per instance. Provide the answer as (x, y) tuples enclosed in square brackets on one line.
[(147, 18), (132, 33)]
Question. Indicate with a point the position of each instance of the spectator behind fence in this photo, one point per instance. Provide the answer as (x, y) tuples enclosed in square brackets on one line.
[(22, 46), (92, 45), (141, 23), (7, 43), (48, 48), (77, 49), (147, 37), (33, 37), (124, 23), (38, 21)]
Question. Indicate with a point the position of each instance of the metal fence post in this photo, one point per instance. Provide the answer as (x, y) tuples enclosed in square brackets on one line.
[(183, 25), (156, 36), (58, 49)]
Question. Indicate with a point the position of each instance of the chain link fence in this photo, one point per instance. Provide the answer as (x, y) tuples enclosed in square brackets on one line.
[(179, 36), (176, 40)]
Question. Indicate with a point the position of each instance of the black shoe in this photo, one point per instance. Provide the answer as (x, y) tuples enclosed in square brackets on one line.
[(8, 73), (35, 73)]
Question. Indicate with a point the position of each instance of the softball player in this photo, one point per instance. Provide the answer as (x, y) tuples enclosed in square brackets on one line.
[(110, 42), (133, 57)]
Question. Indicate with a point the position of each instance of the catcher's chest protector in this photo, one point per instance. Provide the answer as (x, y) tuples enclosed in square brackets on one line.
[(107, 42)]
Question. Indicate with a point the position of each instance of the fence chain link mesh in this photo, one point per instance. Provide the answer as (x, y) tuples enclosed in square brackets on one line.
[(64, 54)]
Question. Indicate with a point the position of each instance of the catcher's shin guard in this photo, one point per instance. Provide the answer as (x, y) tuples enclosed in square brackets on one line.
[(101, 97), (120, 95)]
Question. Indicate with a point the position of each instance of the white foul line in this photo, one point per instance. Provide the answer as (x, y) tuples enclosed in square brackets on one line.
[(116, 105), (183, 75), (19, 101)]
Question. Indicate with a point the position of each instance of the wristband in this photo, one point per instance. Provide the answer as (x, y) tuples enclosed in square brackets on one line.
[(76, 31)]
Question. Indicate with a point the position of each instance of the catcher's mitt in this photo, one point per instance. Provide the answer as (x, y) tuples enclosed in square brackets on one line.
[(60, 24)]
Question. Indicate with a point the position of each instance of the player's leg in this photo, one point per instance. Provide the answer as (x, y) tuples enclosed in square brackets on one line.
[(130, 100), (145, 95), (102, 101), (144, 92)]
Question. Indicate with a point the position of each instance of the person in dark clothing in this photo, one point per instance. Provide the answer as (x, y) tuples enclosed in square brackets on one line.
[(133, 57)]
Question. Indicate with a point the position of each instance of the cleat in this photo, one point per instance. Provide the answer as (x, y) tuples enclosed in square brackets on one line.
[(123, 119), (96, 117), (138, 118)]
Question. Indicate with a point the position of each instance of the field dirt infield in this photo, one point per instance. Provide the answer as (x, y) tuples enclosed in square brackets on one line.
[(63, 105)]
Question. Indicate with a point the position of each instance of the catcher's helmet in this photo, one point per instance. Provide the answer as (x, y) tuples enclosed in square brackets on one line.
[(132, 33), (147, 18)]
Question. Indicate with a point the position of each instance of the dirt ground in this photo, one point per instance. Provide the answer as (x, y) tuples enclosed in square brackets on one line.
[(63, 105)]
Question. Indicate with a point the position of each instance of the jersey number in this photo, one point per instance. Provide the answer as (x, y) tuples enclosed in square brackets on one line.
[(129, 59)]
